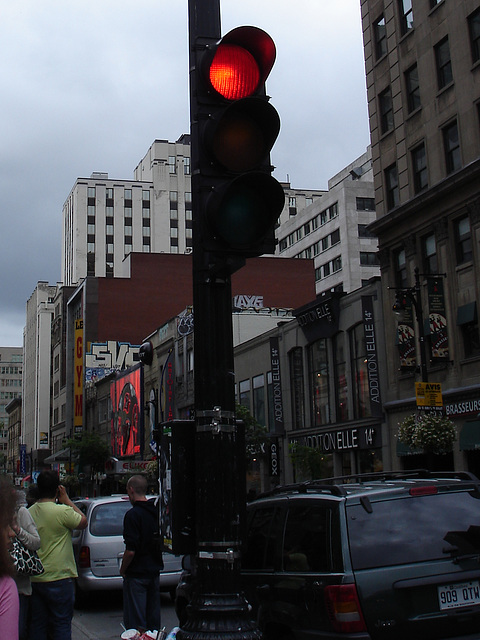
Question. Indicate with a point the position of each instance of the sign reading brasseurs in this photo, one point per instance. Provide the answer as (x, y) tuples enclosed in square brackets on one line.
[(343, 439)]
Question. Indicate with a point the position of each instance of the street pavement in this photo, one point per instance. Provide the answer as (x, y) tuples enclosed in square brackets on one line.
[(101, 618)]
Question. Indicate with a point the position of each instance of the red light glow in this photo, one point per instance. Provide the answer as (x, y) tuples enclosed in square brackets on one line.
[(234, 72)]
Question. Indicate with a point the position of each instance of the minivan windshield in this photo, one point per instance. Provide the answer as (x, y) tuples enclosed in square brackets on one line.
[(414, 529)]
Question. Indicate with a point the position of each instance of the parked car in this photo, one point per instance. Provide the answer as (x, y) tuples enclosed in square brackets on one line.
[(375, 557), (99, 548)]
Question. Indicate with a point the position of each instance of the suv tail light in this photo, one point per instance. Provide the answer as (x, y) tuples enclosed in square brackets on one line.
[(344, 608), (84, 558)]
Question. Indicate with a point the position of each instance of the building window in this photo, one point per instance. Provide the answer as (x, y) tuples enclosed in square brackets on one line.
[(419, 164), (413, 88), (318, 372), (337, 264), (297, 387), (363, 231), (451, 144), (244, 394), (433, 3), (400, 266), (391, 186), (91, 192), (341, 387), (474, 30), (406, 15), (365, 204), (186, 166), (429, 254), (258, 383), (361, 399), (444, 63), (386, 110), (463, 240), (467, 320), (369, 258), (380, 35), (172, 164), (335, 237)]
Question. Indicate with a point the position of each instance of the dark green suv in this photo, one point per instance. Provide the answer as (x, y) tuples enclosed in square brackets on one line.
[(379, 556)]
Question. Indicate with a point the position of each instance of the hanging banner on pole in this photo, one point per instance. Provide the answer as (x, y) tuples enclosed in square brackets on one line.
[(437, 319), (406, 337)]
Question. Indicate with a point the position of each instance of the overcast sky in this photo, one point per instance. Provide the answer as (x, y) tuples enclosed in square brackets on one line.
[(88, 86)]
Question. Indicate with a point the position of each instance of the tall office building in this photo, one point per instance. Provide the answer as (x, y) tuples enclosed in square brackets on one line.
[(11, 365), (422, 61), (105, 219)]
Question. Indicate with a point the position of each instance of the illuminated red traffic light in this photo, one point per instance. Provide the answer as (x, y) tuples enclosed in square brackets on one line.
[(234, 72)]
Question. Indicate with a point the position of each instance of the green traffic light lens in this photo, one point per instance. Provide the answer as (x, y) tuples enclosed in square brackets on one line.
[(243, 213), (234, 72)]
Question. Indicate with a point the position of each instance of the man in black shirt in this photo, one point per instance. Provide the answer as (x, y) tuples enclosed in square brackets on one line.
[(140, 567)]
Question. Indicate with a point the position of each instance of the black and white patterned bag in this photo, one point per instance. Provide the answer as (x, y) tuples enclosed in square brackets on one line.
[(26, 561)]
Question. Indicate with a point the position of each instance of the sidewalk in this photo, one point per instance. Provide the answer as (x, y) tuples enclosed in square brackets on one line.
[(79, 632)]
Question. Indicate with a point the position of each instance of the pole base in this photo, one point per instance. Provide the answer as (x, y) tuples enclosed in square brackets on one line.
[(219, 617)]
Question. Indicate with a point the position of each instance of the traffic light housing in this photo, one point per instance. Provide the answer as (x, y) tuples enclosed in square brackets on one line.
[(236, 127)]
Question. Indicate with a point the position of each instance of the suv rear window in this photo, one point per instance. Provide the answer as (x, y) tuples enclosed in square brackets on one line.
[(414, 529), (107, 519)]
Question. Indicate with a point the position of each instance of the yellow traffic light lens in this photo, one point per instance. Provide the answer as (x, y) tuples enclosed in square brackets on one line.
[(234, 72)]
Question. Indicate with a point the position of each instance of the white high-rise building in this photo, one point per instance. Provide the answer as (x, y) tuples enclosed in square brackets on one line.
[(37, 372), (333, 230)]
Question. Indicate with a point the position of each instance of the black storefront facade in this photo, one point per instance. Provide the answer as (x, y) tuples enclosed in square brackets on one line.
[(330, 361)]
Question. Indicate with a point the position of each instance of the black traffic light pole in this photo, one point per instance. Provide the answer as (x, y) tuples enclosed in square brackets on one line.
[(218, 607)]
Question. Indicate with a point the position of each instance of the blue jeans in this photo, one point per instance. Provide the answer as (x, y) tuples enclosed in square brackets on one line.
[(52, 607), (141, 603)]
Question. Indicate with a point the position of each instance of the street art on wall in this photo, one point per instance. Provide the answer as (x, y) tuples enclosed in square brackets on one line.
[(105, 357)]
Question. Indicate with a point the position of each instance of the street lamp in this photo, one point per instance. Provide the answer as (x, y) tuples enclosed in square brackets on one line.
[(414, 295)]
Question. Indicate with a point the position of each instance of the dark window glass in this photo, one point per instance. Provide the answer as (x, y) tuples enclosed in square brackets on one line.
[(363, 231), (401, 269), (365, 204), (391, 186), (429, 251), (297, 387), (361, 396), (319, 379), (463, 240), (335, 237), (311, 542), (369, 258), (263, 538), (474, 28), (413, 529), (406, 15), (413, 88), (107, 519), (419, 162), (444, 63), (386, 110), (451, 145), (341, 387), (380, 37)]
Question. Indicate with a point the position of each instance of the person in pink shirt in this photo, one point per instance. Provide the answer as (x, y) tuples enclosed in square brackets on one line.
[(9, 604)]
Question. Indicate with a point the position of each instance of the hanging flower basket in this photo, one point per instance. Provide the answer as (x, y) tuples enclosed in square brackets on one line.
[(428, 433)]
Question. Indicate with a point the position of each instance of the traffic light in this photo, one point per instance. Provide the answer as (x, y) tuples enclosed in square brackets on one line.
[(236, 127)]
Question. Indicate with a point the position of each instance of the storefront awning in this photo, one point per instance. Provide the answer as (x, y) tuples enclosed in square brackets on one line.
[(60, 456), (470, 436)]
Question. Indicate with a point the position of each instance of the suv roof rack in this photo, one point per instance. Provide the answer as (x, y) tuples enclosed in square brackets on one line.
[(338, 485)]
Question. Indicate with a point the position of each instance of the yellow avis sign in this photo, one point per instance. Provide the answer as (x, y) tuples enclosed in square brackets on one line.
[(428, 394)]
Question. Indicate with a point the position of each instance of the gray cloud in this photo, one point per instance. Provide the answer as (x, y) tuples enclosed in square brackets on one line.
[(88, 86)]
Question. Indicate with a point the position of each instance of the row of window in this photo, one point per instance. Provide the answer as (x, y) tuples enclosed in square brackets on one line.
[(331, 374), (311, 225), (419, 166), (325, 270), (442, 53), (12, 370), (10, 382), (8, 395)]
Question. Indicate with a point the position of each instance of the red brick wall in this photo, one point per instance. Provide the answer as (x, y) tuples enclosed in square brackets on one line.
[(160, 287)]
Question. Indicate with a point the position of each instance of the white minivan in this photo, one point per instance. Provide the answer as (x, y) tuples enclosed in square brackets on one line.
[(99, 548)]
